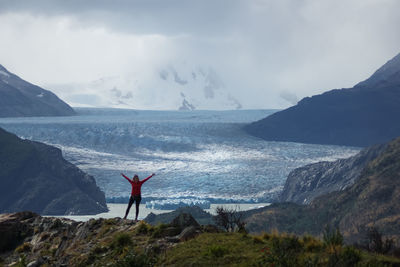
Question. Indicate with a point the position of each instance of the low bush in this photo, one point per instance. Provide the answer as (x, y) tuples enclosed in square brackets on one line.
[(143, 228), (349, 256), (311, 244), (134, 259), (376, 242), (121, 240), (217, 251), (230, 220), (159, 230), (283, 251), (332, 238)]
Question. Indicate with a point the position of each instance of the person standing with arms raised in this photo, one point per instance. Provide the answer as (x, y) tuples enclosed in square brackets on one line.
[(136, 195)]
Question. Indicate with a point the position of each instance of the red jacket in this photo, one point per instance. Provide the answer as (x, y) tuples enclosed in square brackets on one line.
[(136, 186)]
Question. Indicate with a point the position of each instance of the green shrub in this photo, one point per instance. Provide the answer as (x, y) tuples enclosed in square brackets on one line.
[(258, 240), (332, 237), (349, 257), (158, 231), (121, 240), (110, 221), (133, 259), (143, 228), (312, 261), (311, 244), (217, 251), (283, 251)]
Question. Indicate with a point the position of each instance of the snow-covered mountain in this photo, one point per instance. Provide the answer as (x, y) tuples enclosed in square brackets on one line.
[(184, 88)]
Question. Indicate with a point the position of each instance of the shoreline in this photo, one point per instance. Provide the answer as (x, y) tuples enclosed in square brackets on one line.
[(118, 210)]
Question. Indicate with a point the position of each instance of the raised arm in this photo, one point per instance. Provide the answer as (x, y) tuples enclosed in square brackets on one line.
[(127, 178), (144, 180)]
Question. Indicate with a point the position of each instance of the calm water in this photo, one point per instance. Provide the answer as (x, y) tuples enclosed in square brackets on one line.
[(197, 155)]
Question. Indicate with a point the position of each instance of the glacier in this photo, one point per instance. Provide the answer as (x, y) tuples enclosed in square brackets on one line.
[(202, 155)]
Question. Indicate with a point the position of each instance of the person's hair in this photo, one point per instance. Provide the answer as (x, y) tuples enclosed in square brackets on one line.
[(136, 176)]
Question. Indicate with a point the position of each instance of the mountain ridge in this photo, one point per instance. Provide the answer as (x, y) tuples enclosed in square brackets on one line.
[(308, 182), (35, 176), (19, 98), (363, 115), (372, 201)]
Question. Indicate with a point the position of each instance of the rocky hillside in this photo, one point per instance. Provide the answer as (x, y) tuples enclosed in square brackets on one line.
[(36, 177), (19, 98), (31, 240), (306, 183), (63, 242), (364, 115), (372, 201)]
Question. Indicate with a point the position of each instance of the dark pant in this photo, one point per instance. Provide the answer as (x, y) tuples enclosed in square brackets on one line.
[(131, 200)]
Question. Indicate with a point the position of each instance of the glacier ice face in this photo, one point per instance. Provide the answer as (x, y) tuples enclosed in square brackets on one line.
[(173, 204), (196, 154)]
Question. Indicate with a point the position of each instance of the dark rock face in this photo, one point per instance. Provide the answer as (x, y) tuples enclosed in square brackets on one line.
[(184, 220), (364, 115), (19, 98), (373, 200), (196, 212), (306, 183), (13, 230), (36, 236), (35, 177)]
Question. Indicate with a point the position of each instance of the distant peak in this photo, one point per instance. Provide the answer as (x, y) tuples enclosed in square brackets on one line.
[(383, 73), (3, 69), (392, 66)]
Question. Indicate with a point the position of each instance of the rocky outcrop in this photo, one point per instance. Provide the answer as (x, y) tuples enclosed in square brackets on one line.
[(50, 240), (196, 212), (19, 98), (364, 115), (372, 201), (306, 183), (184, 220), (35, 176), (33, 240), (13, 229)]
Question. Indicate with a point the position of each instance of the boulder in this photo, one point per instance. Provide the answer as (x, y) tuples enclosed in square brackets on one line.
[(184, 220)]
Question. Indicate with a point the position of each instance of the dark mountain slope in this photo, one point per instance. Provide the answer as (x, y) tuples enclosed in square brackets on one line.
[(306, 183), (35, 177), (373, 200), (19, 98), (364, 115)]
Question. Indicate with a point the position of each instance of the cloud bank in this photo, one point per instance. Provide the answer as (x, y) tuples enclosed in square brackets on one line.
[(268, 53)]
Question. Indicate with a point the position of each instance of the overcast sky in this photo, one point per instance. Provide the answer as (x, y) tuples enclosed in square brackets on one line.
[(261, 49)]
